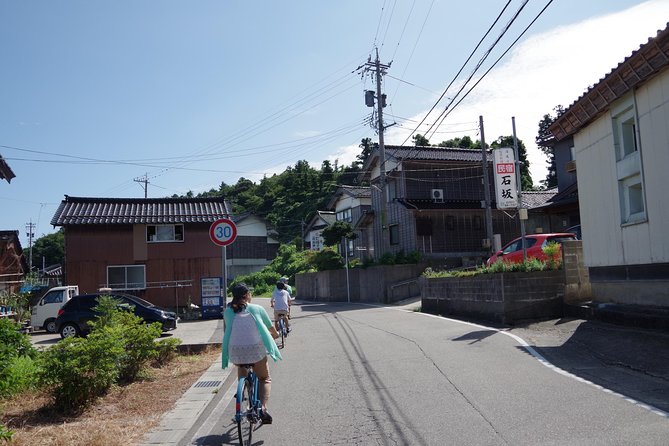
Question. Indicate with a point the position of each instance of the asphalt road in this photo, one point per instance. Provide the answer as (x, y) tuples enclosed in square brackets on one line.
[(359, 375)]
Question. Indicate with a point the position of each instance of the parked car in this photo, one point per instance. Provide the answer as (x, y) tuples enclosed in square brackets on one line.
[(74, 316), (513, 252), (44, 313), (576, 230)]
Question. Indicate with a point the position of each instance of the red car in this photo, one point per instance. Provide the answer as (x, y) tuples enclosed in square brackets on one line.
[(534, 243)]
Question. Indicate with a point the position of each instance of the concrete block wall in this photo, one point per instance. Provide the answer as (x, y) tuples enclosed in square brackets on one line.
[(577, 279), (505, 298), (375, 284)]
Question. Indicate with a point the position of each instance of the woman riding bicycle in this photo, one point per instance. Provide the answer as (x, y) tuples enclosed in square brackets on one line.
[(247, 340), (281, 303)]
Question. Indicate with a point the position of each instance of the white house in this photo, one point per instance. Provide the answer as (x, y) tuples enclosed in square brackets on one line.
[(621, 146), (314, 230)]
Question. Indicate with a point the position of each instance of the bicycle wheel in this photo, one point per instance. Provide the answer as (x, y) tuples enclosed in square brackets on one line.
[(244, 411), (282, 331)]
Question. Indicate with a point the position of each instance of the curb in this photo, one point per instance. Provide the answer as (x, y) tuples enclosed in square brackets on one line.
[(176, 423)]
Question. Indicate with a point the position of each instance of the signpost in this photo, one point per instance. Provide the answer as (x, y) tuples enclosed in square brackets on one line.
[(222, 232), (506, 188)]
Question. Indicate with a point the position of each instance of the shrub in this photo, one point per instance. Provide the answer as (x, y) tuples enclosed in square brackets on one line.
[(17, 374), (500, 266), (552, 251), (5, 434), (137, 338), (327, 259), (387, 259), (17, 367), (166, 351), (78, 370), (13, 342)]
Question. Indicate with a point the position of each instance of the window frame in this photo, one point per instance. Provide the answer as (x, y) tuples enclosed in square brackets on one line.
[(394, 234), (177, 235), (125, 286), (629, 174)]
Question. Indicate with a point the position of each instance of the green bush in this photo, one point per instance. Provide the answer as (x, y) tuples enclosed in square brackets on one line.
[(166, 351), (12, 341), (17, 366), (137, 338), (500, 266), (18, 374), (327, 259), (78, 370), (5, 434)]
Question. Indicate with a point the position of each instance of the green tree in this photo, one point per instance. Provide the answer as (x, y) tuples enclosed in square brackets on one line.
[(525, 176), (50, 248), (545, 141), (333, 234), (464, 143), (420, 140)]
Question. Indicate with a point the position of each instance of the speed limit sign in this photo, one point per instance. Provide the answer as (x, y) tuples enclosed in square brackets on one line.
[(223, 231)]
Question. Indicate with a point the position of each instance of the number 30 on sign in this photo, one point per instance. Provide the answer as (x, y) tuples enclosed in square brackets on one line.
[(223, 232)]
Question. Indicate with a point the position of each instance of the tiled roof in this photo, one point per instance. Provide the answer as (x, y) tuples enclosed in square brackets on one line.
[(433, 153), (651, 58), (357, 191), (533, 199), (108, 211)]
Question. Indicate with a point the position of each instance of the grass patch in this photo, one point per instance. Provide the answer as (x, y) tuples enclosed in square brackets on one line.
[(121, 417)]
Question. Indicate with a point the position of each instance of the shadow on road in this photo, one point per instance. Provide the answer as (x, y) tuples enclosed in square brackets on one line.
[(629, 361)]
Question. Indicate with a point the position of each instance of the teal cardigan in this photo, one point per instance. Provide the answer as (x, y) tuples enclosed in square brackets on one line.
[(263, 323)]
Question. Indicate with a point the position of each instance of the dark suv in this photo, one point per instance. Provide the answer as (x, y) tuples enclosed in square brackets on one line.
[(74, 316)]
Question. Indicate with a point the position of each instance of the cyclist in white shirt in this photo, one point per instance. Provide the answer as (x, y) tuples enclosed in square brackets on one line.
[(247, 340), (280, 301)]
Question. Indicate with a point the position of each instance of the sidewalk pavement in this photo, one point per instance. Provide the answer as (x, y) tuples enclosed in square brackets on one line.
[(631, 361)]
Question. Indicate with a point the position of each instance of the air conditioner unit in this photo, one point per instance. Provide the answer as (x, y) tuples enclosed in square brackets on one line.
[(437, 195)]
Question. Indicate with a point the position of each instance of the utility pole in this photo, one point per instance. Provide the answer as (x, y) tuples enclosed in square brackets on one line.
[(30, 228), (486, 187), (521, 216), (145, 180), (380, 69)]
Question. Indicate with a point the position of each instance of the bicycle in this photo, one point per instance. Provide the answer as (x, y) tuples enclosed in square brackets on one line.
[(283, 329), (247, 406)]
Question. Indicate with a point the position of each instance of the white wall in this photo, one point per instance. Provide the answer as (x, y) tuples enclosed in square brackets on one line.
[(606, 241), (252, 226)]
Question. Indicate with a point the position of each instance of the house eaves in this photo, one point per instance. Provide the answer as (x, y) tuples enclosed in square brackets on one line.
[(110, 211), (6, 172), (399, 154), (352, 191), (637, 69)]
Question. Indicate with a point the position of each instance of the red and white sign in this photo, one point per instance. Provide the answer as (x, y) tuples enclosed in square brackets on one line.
[(506, 188), (223, 232)]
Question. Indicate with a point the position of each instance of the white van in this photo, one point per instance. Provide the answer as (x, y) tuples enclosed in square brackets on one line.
[(44, 314)]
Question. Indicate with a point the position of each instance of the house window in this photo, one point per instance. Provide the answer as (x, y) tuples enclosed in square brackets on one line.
[(628, 164), (392, 190), (126, 277), (164, 233), (344, 215), (394, 231)]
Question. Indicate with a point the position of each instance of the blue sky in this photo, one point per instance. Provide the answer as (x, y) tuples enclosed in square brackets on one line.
[(96, 94)]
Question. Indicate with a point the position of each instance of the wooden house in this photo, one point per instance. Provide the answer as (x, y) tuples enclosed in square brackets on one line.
[(312, 234), (433, 203), (158, 249), (352, 204), (13, 265)]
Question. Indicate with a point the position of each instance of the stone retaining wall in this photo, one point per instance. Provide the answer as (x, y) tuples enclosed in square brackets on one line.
[(503, 297)]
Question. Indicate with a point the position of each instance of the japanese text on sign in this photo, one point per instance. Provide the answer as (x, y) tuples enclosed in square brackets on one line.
[(506, 189)]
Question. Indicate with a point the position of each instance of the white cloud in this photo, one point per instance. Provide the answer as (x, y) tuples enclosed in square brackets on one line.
[(549, 69)]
